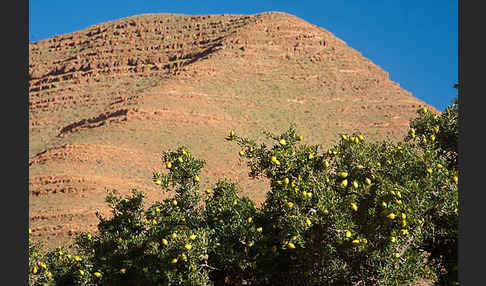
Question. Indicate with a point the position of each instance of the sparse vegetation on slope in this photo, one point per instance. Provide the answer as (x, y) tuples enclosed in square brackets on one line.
[(104, 99)]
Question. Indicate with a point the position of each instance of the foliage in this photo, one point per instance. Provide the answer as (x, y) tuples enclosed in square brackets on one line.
[(359, 213)]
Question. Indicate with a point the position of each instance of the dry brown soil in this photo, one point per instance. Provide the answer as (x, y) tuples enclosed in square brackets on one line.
[(104, 102)]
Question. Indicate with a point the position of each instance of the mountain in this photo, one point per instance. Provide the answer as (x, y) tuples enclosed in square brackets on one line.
[(104, 102)]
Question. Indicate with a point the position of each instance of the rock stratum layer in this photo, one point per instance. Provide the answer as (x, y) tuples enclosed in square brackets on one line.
[(105, 101)]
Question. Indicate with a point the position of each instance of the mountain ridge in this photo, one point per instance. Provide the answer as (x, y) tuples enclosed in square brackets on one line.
[(106, 100)]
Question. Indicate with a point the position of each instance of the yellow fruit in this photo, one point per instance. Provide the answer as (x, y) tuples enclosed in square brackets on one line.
[(235, 202), (123, 271), (325, 212), (164, 241), (432, 137), (396, 254), (173, 235), (307, 221), (301, 138), (404, 216), (348, 234), (34, 270), (345, 137), (208, 191), (188, 246), (97, 274), (383, 204), (169, 165), (326, 164), (355, 184), (250, 220), (361, 137), (311, 156), (420, 221), (424, 110), (391, 216), (218, 244), (404, 231), (399, 202), (355, 241), (260, 229), (290, 204), (439, 166), (343, 174), (364, 240), (455, 179), (154, 221), (309, 195), (174, 203), (77, 258), (157, 209), (274, 159), (174, 261), (232, 133), (393, 239), (192, 237), (360, 166), (196, 178), (242, 153), (291, 245), (283, 142), (378, 164), (286, 181), (368, 181), (404, 223), (250, 244), (179, 159), (429, 170), (81, 272), (344, 183), (184, 257), (354, 206)]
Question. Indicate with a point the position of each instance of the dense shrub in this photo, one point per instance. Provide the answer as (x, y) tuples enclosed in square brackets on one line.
[(359, 213)]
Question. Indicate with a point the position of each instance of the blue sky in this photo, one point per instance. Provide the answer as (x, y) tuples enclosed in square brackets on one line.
[(416, 42)]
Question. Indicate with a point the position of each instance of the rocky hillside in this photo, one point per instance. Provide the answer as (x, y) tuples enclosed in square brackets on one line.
[(105, 101)]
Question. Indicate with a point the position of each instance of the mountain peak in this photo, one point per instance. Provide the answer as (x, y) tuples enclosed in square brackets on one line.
[(106, 100)]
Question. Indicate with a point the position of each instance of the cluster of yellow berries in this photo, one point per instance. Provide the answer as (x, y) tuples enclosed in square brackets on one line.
[(275, 160), (188, 246), (354, 139), (344, 175)]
